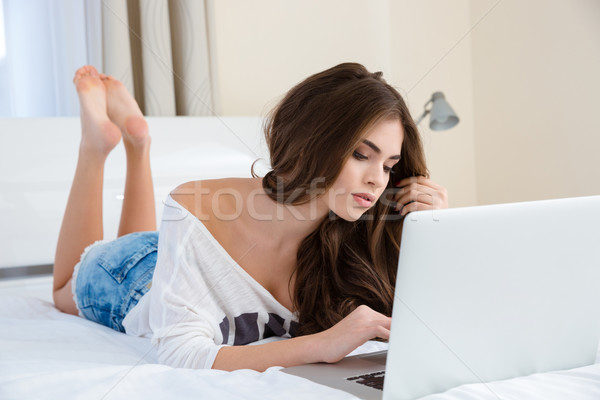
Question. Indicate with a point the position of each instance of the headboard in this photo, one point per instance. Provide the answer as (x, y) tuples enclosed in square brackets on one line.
[(38, 158)]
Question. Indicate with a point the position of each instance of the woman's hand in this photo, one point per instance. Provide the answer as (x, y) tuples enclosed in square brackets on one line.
[(419, 193), (356, 328), (329, 346)]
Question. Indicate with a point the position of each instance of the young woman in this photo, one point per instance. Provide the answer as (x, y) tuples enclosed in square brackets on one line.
[(308, 252)]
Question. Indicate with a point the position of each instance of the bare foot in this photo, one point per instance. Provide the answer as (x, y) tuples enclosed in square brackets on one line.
[(98, 134), (124, 111)]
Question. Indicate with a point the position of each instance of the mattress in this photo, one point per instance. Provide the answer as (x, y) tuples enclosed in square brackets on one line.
[(45, 354)]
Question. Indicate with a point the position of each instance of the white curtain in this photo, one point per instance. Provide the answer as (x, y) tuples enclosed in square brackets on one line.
[(157, 48), (44, 45)]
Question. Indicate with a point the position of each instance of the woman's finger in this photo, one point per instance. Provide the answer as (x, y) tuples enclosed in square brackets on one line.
[(421, 180), (415, 193), (421, 190), (414, 206)]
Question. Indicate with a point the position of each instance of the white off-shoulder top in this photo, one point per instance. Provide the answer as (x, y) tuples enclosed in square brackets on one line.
[(201, 299)]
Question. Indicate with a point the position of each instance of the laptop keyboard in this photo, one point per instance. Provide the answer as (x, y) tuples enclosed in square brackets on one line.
[(374, 380)]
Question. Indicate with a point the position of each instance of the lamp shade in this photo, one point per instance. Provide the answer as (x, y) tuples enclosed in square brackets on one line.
[(442, 116)]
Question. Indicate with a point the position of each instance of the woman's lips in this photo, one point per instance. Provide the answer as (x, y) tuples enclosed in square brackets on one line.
[(363, 199)]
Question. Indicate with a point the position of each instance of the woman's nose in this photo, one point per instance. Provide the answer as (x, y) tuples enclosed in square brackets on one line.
[(376, 176)]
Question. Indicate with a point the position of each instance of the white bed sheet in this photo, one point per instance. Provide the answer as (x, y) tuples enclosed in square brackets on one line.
[(45, 354)]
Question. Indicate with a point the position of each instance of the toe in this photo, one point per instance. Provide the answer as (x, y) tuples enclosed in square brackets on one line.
[(112, 83), (92, 71), (78, 74), (85, 71), (81, 72)]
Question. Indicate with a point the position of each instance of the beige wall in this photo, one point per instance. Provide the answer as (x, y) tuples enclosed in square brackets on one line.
[(536, 88), (431, 52), (264, 47)]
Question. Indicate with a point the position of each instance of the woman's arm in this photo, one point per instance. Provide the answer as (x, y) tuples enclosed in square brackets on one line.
[(328, 346)]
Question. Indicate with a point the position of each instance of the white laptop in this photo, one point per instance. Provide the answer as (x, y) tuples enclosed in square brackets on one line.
[(483, 294)]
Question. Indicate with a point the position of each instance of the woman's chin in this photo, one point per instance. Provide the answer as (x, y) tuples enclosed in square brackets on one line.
[(350, 216)]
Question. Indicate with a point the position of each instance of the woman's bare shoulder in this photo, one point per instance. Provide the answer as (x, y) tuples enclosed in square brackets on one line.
[(196, 196)]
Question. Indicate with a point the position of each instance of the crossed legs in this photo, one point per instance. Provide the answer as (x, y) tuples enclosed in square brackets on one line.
[(108, 112)]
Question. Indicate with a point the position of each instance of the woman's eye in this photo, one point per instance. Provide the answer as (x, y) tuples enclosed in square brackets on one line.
[(359, 156)]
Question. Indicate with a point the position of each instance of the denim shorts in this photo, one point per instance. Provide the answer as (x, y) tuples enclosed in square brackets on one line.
[(113, 276)]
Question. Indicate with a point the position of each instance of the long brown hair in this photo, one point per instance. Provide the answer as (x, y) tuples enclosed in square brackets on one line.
[(311, 133)]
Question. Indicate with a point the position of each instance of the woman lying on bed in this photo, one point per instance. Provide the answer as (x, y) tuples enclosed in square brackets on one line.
[(308, 252)]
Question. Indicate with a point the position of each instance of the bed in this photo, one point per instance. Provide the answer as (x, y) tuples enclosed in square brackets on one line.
[(45, 354)]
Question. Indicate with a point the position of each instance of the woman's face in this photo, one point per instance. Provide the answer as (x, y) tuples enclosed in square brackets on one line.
[(366, 173)]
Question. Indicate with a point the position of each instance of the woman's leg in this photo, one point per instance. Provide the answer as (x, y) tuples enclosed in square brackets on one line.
[(138, 213), (82, 222)]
